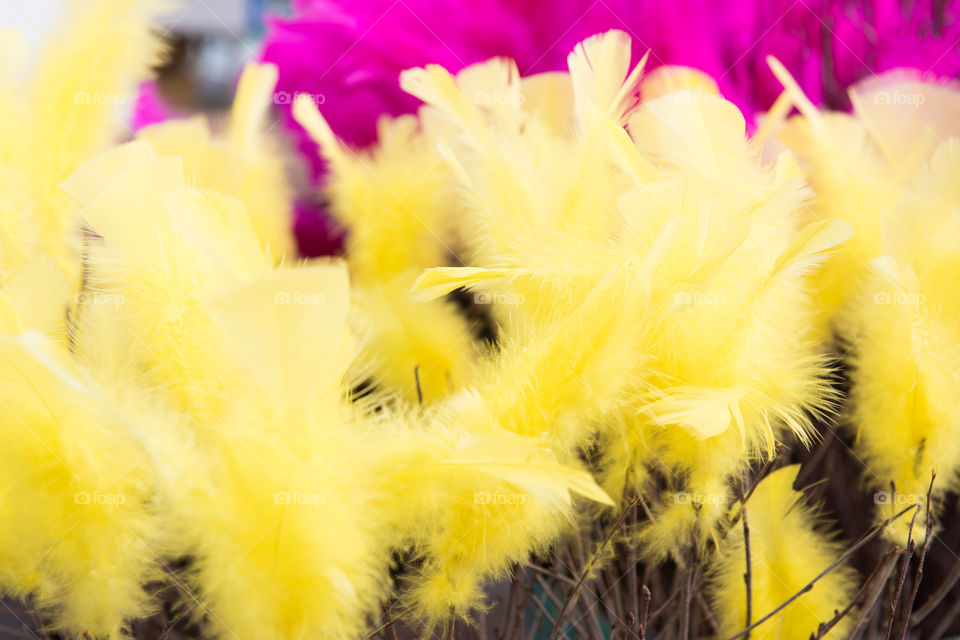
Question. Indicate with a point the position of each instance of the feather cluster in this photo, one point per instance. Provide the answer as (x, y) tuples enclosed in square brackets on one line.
[(171, 408), (889, 295), (681, 227), (562, 293)]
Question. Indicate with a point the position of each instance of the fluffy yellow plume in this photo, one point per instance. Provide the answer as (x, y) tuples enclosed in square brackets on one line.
[(173, 386), (852, 184), (861, 161), (786, 553), (397, 202), (887, 169), (79, 533), (243, 162), (413, 348), (474, 502), (900, 331), (298, 496), (309, 498), (722, 358), (65, 112), (286, 543), (147, 276), (35, 297)]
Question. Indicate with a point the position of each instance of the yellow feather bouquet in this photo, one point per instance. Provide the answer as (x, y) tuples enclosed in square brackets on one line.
[(889, 295), (574, 377)]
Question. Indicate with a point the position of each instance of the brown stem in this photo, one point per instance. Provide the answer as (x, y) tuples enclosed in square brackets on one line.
[(748, 574), (764, 470), (907, 555), (511, 607), (918, 572), (687, 605), (633, 588), (663, 607), (644, 617)]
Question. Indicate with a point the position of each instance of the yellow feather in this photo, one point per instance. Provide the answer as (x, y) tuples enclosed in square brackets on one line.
[(786, 553), (397, 205), (79, 536), (66, 110), (243, 162)]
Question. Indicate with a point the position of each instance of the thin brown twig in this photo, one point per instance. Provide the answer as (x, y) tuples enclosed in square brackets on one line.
[(633, 588), (644, 618), (372, 634), (534, 626), (646, 508), (918, 572), (907, 555), (748, 573), (676, 588), (556, 575), (779, 448), (744, 494), (573, 622), (687, 604), (610, 581), (509, 608), (541, 606), (391, 620), (589, 597), (526, 592)]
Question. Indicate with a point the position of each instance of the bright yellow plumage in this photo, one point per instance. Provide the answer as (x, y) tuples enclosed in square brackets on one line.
[(178, 390), (711, 355), (888, 169), (242, 162), (400, 209)]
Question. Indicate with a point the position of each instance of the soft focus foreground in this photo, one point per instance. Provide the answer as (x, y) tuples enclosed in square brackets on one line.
[(596, 363)]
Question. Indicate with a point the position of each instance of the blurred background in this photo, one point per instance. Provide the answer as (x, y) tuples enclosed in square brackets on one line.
[(210, 41)]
